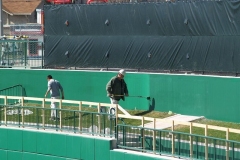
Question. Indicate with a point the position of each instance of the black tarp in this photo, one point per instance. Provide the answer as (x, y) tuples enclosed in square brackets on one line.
[(180, 36)]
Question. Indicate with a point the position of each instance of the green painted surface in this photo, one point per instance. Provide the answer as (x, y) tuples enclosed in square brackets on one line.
[(30, 141), (41, 157), (115, 155), (131, 156), (58, 145), (3, 139), (14, 155), (44, 143), (102, 147), (87, 148), (121, 155), (13, 137), (73, 144), (183, 94), (29, 156), (3, 153)]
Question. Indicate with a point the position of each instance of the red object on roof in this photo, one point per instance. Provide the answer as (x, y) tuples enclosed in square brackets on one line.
[(96, 1), (60, 1)]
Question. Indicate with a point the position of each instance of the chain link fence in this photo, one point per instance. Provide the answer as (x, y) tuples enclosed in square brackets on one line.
[(22, 46)]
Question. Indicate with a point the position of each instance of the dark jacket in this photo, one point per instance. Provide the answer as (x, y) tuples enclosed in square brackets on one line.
[(117, 87)]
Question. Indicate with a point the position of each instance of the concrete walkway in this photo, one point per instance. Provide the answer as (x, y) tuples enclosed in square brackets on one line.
[(176, 118)]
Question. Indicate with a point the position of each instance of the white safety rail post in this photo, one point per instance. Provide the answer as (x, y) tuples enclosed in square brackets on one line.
[(99, 118), (22, 103), (206, 142), (22, 111), (154, 136), (173, 139), (80, 117), (143, 135), (191, 141), (227, 144), (60, 114), (5, 110), (43, 113)]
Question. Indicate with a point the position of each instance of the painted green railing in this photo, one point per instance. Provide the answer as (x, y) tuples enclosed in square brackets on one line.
[(16, 90), (176, 144)]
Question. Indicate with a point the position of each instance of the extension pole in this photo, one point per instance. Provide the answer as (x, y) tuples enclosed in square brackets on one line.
[(148, 98)]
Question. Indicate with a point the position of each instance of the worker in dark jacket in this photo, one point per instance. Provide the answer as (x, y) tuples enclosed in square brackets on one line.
[(117, 87)]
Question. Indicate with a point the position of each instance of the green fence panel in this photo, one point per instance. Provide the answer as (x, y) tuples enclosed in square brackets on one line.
[(58, 145), (13, 155), (73, 144), (15, 140), (87, 149), (44, 141), (3, 154), (102, 149), (29, 141), (3, 138)]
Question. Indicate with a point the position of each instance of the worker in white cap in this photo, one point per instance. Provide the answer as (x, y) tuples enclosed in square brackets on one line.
[(117, 87)]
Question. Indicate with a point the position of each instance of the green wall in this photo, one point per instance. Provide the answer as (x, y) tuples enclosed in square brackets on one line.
[(23, 144), (213, 97), (20, 144)]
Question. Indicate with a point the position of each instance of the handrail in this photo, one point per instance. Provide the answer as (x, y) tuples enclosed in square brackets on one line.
[(177, 132), (190, 124), (154, 140), (141, 118), (11, 87), (40, 118), (174, 136), (16, 90)]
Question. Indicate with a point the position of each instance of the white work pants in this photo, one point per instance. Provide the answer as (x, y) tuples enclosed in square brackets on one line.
[(54, 106)]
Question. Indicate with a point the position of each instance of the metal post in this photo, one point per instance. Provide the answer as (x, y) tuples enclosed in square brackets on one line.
[(173, 143), (154, 136), (1, 23), (80, 117), (191, 141), (206, 142)]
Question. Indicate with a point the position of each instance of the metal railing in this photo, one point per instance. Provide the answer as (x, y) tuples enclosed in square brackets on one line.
[(176, 144), (25, 53), (74, 121), (16, 90), (74, 118)]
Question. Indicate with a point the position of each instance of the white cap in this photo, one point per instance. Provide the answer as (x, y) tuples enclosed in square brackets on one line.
[(122, 72)]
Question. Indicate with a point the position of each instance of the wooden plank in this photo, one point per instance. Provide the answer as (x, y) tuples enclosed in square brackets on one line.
[(70, 101), (123, 110)]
